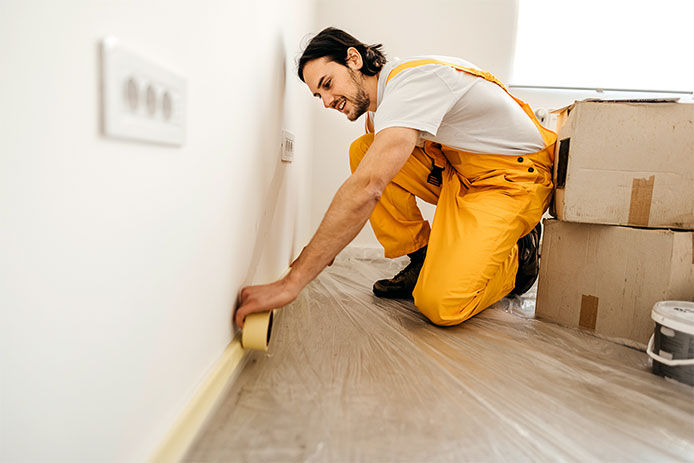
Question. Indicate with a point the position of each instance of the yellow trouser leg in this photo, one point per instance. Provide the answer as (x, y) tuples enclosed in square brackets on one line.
[(486, 203), (397, 220), (472, 257)]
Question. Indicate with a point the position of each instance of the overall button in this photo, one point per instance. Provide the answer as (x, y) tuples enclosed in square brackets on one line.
[(520, 159), (530, 169)]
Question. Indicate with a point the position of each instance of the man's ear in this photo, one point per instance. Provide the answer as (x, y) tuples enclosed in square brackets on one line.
[(354, 59)]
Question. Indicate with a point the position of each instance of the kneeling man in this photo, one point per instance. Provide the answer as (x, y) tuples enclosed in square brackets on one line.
[(440, 129)]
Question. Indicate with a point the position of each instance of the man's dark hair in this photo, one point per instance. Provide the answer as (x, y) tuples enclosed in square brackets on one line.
[(333, 43)]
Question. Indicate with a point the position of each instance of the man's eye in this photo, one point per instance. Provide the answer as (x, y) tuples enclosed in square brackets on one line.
[(327, 85)]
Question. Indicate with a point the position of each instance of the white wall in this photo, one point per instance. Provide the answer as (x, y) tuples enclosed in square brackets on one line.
[(480, 31), (120, 262)]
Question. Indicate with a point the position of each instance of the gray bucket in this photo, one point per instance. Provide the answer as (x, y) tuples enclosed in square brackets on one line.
[(672, 345)]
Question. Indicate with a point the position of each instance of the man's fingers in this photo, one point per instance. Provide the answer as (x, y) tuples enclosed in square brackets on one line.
[(260, 298), (245, 307), (238, 319), (241, 313)]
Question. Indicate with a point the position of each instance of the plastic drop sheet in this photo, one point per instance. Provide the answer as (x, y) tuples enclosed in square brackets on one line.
[(350, 377)]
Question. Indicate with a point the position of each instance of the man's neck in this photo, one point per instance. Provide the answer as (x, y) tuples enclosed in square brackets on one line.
[(371, 87)]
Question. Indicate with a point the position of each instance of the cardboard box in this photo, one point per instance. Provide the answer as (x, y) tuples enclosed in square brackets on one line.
[(606, 279), (626, 163)]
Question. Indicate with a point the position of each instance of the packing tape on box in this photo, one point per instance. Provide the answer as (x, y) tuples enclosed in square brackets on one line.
[(589, 311), (640, 205)]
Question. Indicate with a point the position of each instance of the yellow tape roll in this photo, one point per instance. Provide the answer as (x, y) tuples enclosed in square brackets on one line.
[(257, 329)]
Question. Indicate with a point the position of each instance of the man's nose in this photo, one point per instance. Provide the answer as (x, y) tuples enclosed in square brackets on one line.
[(327, 101)]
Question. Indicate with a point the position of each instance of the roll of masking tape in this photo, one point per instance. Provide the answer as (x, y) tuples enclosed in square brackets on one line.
[(257, 329)]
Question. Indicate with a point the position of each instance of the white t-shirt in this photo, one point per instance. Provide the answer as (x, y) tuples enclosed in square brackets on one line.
[(454, 108)]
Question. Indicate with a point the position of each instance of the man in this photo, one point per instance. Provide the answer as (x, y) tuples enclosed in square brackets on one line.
[(441, 130)]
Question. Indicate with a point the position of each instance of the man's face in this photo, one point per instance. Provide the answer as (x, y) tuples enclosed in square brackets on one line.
[(340, 87)]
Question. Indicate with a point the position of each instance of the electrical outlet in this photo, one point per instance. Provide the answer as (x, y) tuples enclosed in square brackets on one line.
[(141, 100), (287, 146)]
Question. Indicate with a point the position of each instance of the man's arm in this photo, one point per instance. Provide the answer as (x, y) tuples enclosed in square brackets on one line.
[(347, 214)]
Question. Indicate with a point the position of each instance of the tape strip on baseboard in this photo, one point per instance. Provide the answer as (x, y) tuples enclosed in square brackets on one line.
[(589, 312), (640, 205)]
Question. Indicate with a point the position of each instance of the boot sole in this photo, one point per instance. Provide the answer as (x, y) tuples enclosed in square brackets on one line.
[(530, 277), (393, 294)]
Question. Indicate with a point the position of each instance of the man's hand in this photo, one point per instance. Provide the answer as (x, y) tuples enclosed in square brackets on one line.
[(262, 298)]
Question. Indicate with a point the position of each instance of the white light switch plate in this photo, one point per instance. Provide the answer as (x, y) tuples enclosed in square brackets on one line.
[(287, 146), (140, 99)]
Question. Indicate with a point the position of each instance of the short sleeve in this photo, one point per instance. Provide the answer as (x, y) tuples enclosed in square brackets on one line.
[(417, 98)]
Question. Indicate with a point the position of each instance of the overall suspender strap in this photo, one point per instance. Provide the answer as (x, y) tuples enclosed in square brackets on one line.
[(548, 136), (421, 62)]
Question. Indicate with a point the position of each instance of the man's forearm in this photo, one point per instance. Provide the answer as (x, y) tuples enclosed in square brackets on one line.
[(347, 214), (351, 206)]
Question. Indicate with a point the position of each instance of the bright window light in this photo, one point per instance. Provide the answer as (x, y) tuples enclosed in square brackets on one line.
[(618, 44)]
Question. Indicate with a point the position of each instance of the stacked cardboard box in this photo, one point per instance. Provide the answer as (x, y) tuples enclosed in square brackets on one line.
[(624, 176)]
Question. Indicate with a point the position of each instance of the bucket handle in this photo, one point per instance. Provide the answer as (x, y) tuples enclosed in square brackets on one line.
[(668, 362)]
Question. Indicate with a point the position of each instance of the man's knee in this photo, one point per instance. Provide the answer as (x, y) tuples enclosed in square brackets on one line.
[(358, 149), (444, 308)]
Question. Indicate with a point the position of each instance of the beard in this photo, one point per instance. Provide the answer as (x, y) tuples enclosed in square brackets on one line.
[(361, 100)]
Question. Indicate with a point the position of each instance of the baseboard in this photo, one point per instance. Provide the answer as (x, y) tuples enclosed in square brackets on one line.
[(190, 422)]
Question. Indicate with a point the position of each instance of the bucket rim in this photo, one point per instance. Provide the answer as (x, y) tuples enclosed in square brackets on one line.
[(663, 314)]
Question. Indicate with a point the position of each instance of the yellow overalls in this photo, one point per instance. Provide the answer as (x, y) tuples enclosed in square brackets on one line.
[(486, 202)]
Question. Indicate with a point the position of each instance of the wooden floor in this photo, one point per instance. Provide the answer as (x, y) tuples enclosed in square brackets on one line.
[(350, 377)]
